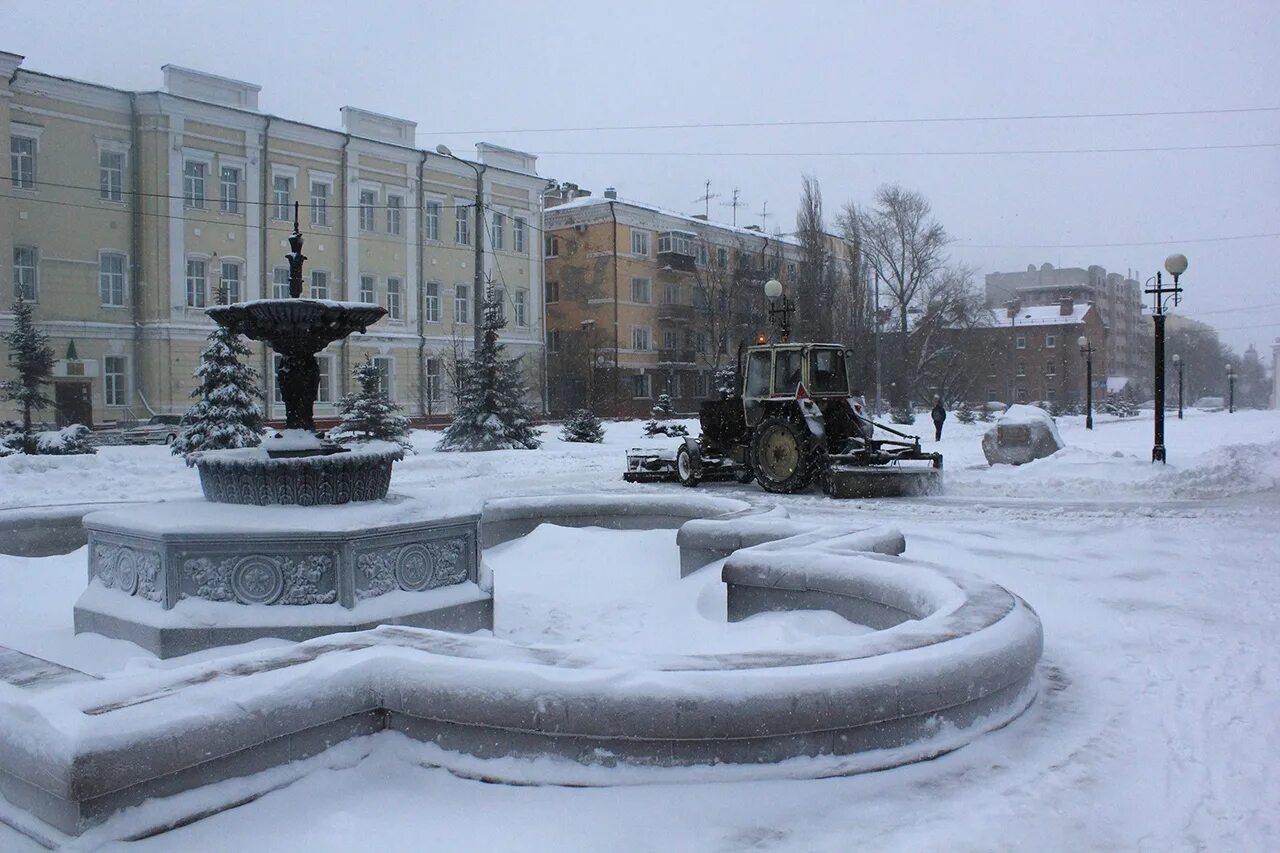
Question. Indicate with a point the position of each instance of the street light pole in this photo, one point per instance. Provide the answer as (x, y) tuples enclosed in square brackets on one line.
[(1013, 306), (588, 326), (1086, 350), (1231, 391), (1176, 266), (773, 289), (1177, 362), (477, 301), (879, 322)]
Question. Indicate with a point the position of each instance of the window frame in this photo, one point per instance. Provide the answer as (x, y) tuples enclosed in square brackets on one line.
[(115, 383), (386, 375), (279, 283), (238, 266), (521, 300), (194, 190), (497, 230), (197, 288), (431, 212), (1050, 341), (639, 332), (641, 386), (646, 290), (519, 241), (367, 203), (320, 202), (431, 302), (1019, 341), (369, 289), (321, 290), (462, 305), (434, 377), (551, 292), (640, 244), (395, 298), (107, 289), (280, 211), (16, 179), (462, 225), (33, 267), (109, 189), (395, 214), (229, 190)]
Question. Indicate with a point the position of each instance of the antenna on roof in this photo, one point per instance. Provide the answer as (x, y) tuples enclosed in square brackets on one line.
[(764, 214), (706, 197), (735, 204)]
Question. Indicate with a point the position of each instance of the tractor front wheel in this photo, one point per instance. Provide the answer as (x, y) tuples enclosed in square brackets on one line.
[(784, 456), (685, 468)]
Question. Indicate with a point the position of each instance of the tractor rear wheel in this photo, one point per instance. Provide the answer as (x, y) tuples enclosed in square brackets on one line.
[(784, 456), (685, 468)]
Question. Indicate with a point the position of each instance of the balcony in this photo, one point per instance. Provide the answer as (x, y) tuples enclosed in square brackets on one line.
[(676, 356), (678, 250), (670, 312)]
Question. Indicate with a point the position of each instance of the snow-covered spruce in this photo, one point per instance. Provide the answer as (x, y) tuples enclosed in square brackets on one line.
[(71, 440), (652, 428), (726, 379), (226, 413), (31, 359), (368, 414), (965, 414), (583, 426), (492, 413), (662, 409)]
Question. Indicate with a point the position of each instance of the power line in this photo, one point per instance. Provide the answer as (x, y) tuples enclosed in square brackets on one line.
[(1008, 152), (859, 121), (1114, 245), (1241, 308)]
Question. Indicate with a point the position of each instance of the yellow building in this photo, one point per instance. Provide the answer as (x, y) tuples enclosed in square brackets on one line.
[(126, 214), (643, 301)]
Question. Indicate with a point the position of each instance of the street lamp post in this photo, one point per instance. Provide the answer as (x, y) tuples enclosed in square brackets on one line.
[(1013, 306), (773, 290), (588, 326), (1177, 362), (1231, 391), (1086, 350), (1176, 265), (478, 313)]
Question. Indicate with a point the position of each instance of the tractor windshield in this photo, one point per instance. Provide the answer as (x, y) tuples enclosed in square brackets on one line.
[(758, 364), (787, 364), (826, 372)]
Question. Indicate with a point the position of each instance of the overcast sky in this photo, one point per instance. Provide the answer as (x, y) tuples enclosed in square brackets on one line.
[(507, 72)]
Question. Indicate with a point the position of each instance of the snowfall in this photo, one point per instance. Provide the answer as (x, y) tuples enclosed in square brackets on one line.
[(1154, 729)]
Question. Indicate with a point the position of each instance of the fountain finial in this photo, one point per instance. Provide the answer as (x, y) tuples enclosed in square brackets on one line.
[(295, 257)]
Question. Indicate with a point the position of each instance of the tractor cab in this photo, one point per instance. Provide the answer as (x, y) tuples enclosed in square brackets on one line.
[(778, 373)]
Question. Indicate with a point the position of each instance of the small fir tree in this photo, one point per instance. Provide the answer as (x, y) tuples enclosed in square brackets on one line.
[(652, 428), (368, 414), (965, 414), (32, 360), (583, 426), (225, 414), (662, 409), (726, 381), (902, 414), (492, 413), (985, 414)]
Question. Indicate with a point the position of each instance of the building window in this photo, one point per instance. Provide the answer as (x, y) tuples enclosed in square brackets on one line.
[(319, 284), (435, 389), (702, 342), (368, 201), (640, 243), (496, 236), (395, 204), (640, 338), (383, 363), (671, 294), (230, 185), (1050, 341), (1020, 342), (22, 162), (702, 254), (1022, 395), (461, 304), (553, 291), (991, 394), (324, 391), (319, 203), (230, 282), (499, 298), (461, 228), (366, 290), (641, 386), (550, 246), (1050, 369), (553, 340), (700, 385), (197, 283), (113, 380), (280, 283), (281, 191), (641, 290), (1021, 369), (669, 339), (431, 220), (393, 298), (431, 307), (111, 175), (722, 258), (193, 184), (520, 297), (111, 278), (518, 234), (25, 279)]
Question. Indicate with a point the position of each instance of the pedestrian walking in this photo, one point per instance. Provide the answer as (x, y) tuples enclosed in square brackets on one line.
[(939, 415)]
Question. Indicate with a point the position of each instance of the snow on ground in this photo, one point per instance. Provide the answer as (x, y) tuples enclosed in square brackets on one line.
[(1154, 729)]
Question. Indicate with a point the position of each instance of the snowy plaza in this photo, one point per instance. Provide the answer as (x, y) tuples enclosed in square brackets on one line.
[(1155, 696)]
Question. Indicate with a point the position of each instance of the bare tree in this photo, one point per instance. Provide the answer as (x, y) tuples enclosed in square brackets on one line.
[(816, 285), (904, 245), (941, 364), (726, 290)]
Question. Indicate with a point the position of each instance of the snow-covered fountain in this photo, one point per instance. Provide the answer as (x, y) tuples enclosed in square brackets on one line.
[(323, 547)]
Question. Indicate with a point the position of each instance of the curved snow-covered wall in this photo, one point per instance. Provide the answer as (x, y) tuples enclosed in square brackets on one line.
[(956, 657)]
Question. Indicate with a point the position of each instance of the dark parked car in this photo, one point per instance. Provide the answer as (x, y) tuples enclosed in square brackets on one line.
[(161, 429)]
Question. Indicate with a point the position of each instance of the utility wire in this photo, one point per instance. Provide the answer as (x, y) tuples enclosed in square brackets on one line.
[(859, 121), (1114, 245), (1008, 152)]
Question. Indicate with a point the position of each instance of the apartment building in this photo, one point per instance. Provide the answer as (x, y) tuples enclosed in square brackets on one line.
[(127, 214), (1118, 298), (643, 301), (1031, 353)]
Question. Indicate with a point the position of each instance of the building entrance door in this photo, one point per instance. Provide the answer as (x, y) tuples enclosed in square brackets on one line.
[(74, 403)]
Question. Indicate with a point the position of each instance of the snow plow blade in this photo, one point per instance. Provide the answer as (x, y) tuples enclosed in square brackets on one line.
[(880, 481), (647, 466)]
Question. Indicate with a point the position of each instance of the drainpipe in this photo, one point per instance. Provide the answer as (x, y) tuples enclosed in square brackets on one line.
[(614, 215), (264, 169), (344, 359), (135, 242), (423, 401)]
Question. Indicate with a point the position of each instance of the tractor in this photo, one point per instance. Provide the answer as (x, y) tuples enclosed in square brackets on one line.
[(794, 421)]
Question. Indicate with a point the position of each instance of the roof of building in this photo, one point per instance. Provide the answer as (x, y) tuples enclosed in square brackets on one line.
[(1042, 315), (591, 201)]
